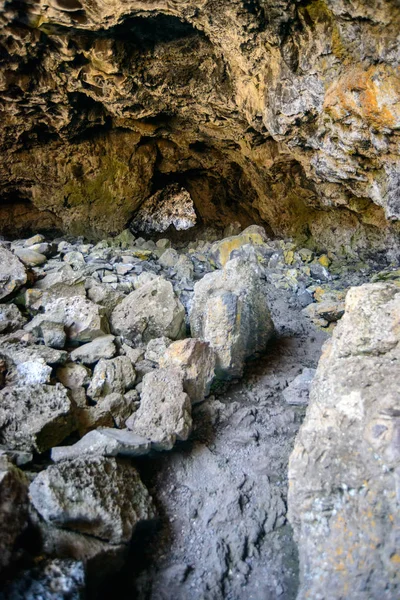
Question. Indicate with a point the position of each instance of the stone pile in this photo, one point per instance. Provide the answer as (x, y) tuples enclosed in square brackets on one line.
[(105, 348), (97, 368)]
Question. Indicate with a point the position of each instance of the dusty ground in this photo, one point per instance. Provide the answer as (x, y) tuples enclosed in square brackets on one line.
[(222, 496)]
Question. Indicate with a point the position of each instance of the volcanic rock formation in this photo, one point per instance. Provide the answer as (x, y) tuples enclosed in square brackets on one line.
[(285, 113)]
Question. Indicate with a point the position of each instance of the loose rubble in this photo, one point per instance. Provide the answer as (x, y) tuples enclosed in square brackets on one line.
[(113, 353)]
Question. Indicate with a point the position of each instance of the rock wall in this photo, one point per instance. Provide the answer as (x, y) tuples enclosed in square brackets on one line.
[(344, 470), (285, 113)]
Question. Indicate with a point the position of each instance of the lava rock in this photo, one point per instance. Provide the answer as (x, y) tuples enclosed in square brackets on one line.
[(115, 375), (298, 390), (12, 273), (197, 361), (150, 312), (34, 417), (343, 471), (98, 496), (230, 312), (164, 414), (104, 442), (13, 509)]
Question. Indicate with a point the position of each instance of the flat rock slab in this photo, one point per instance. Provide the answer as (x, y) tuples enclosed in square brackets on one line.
[(104, 442), (98, 496), (101, 347)]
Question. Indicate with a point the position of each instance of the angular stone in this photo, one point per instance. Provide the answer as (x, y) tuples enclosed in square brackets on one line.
[(53, 334), (150, 312), (344, 469), (10, 318), (12, 273), (101, 347), (116, 375), (83, 320), (230, 311), (51, 580), (298, 390), (98, 496), (34, 417), (197, 361), (63, 283), (32, 372), (13, 509), (156, 348), (104, 442), (100, 559), (119, 406), (164, 414), (169, 258), (73, 376)]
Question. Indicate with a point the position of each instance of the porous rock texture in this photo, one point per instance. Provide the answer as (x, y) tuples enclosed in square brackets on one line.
[(102, 497), (344, 470), (284, 112)]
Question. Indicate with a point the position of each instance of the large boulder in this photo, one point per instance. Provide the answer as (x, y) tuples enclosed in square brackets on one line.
[(34, 417), (197, 361), (152, 311), (230, 311), (344, 471), (12, 273), (98, 496), (13, 509), (164, 414)]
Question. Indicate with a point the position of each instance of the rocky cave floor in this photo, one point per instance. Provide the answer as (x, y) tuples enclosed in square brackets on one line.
[(220, 496)]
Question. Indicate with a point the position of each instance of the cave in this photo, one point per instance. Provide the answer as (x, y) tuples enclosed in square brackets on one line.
[(199, 202)]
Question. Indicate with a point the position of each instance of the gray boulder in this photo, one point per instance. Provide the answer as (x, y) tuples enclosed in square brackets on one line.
[(30, 257), (116, 375), (97, 496), (156, 348), (12, 273), (345, 467), (152, 311), (104, 442), (34, 417), (230, 311), (164, 414)]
